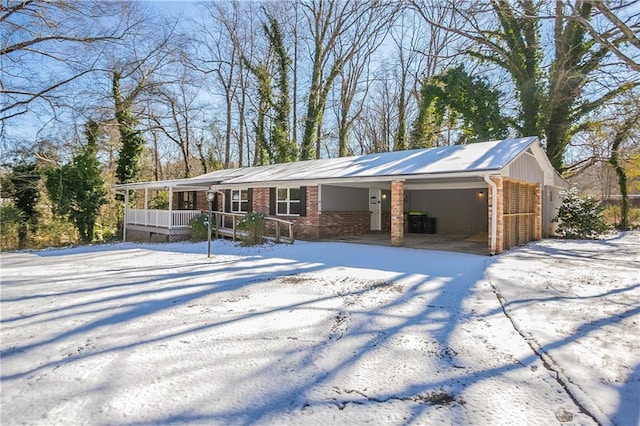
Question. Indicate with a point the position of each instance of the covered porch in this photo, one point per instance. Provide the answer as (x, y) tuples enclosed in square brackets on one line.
[(157, 225), (165, 220), (169, 219)]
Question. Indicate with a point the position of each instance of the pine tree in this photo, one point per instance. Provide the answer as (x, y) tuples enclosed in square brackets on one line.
[(285, 149), (23, 188), (264, 151), (132, 143), (277, 146), (77, 188)]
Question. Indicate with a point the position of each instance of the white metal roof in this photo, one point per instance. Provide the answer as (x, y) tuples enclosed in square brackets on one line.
[(471, 159), (477, 157)]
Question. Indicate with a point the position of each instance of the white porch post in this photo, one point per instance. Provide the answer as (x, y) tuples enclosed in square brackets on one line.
[(146, 206), (126, 215), (170, 207)]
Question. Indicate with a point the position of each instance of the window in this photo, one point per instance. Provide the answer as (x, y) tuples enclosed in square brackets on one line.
[(187, 200), (288, 201), (239, 200)]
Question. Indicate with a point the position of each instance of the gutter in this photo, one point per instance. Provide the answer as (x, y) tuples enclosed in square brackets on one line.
[(494, 213)]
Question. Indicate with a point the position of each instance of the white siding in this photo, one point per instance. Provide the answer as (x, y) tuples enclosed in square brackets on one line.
[(551, 202), (339, 199), (525, 168)]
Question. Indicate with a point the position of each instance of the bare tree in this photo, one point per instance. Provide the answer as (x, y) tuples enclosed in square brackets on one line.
[(141, 66), (421, 52), (338, 29), (626, 130), (47, 45), (225, 36), (176, 112), (606, 153), (376, 126), (346, 111), (355, 81), (626, 29)]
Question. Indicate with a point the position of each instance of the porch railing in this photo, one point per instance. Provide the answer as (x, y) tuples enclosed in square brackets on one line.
[(226, 224), (161, 218)]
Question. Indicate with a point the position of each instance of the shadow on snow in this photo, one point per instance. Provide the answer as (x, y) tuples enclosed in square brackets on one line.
[(164, 289)]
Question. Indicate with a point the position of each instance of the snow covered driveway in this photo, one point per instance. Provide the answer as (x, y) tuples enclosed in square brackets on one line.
[(319, 333)]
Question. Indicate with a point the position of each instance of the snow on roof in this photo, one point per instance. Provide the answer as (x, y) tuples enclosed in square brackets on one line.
[(477, 157), (215, 176)]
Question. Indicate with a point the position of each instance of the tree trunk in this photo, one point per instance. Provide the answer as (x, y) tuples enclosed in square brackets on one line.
[(400, 143), (614, 160), (311, 118)]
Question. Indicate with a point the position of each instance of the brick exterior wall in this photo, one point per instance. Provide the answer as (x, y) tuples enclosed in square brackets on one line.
[(397, 213), (201, 200), (317, 225), (261, 200), (386, 221), (304, 227), (340, 224), (307, 227)]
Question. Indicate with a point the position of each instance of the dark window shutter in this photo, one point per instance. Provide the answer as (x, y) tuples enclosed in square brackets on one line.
[(303, 201), (272, 201), (227, 200), (250, 200)]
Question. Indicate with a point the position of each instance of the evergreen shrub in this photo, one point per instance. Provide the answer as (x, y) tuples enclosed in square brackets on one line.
[(580, 216), (199, 227), (254, 225)]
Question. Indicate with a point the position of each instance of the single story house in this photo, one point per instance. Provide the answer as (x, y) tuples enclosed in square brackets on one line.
[(506, 190)]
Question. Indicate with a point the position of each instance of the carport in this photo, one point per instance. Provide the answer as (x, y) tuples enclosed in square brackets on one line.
[(453, 190), (451, 214)]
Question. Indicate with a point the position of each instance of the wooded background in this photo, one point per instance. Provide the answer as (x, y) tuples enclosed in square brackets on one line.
[(102, 92)]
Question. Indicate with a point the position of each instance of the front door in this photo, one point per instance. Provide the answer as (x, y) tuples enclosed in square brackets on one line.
[(375, 207)]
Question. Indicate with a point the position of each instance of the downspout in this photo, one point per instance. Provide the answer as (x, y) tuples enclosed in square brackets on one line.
[(494, 213)]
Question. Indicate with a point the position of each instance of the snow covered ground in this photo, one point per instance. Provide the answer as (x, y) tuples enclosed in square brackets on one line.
[(321, 333)]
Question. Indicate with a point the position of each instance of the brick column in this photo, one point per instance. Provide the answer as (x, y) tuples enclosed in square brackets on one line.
[(500, 213), (397, 213), (537, 227)]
